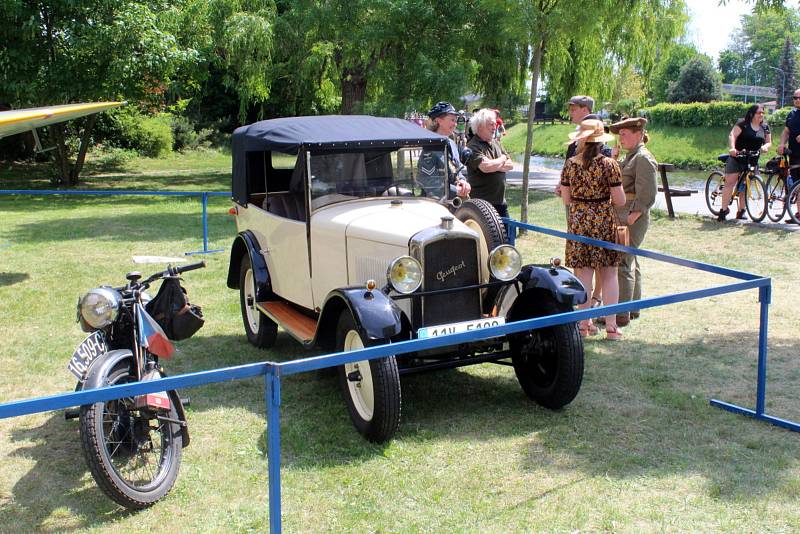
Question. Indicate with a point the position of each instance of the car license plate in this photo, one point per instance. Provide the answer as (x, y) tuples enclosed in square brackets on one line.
[(456, 328), (89, 349)]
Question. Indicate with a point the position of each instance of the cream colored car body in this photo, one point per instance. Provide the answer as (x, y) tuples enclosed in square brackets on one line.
[(350, 243)]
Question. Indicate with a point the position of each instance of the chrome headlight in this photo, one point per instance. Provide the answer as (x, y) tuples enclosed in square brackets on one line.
[(99, 307), (404, 274), (505, 262)]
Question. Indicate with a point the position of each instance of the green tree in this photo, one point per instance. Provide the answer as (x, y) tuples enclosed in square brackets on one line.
[(698, 81), (578, 50), (731, 67), (668, 68), (65, 51), (785, 78)]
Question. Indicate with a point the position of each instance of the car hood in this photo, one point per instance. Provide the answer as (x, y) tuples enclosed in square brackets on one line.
[(382, 221)]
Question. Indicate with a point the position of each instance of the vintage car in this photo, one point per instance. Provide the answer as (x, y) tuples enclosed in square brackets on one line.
[(349, 236)]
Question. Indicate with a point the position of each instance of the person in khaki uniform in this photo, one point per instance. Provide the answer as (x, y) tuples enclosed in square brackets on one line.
[(639, 169)]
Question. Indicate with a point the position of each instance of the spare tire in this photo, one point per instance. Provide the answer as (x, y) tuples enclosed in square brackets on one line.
[(480, 216)]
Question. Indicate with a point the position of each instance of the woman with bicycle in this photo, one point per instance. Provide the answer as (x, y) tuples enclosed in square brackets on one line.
[(749, 134)]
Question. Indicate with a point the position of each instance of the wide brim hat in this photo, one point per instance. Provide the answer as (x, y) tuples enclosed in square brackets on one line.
[(632, 123), (591, 131)]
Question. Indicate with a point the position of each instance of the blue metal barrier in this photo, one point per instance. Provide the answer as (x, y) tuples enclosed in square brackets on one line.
[(273, 372), (202, 194)]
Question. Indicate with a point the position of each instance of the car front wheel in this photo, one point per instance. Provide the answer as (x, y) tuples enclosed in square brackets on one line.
[(548, 361), (371, 388)]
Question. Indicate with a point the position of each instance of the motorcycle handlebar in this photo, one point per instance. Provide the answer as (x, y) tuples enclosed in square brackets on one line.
[(190, 267)]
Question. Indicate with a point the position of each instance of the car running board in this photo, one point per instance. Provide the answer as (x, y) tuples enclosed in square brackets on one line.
[(300, 326)]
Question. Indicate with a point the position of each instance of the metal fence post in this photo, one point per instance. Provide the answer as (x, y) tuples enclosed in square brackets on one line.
[(764, 297), (273, 399)]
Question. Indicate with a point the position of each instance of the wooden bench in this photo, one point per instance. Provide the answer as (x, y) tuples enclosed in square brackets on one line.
[(670, 192)]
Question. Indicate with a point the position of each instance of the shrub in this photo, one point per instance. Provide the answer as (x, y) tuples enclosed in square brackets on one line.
[(777, 120), (154, 137), (185, 136), (695, 114), (129, 128)]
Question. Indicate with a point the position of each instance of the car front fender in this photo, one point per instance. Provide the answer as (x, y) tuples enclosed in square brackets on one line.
[(377, 316), (556, 282)]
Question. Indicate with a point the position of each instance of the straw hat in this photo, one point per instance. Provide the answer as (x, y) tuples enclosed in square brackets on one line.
[(591, 131)]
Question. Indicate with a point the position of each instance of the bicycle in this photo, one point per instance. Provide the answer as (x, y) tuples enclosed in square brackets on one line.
[(748, 181), (793, 199), (778, 185)]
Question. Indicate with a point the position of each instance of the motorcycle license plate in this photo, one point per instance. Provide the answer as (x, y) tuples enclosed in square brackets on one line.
[(456, 328), (89, 349)]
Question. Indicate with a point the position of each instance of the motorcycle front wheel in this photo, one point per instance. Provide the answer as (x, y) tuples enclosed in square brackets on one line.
[(133, 455)]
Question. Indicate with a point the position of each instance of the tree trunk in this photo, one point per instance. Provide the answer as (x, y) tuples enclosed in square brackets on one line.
[(354, 90), (87, 132), (526, 162), (60, 154)]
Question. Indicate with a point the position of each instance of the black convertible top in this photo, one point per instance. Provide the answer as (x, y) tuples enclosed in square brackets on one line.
[(288, 134)]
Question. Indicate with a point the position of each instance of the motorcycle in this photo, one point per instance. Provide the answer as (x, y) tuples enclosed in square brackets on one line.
[(133, 445)]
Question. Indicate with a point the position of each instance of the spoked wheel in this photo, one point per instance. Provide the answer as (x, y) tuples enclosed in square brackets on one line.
[(371, 388), (548, 361), (793, 203), (776, 197), (756, 199), (714, 185), (261, 330), (134, 455)]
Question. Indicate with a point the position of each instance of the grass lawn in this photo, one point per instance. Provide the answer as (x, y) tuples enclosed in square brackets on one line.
[(639, 450)]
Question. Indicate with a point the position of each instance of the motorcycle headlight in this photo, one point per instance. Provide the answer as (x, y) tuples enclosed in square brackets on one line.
[(404, 274), (99, 307), (505, 262)]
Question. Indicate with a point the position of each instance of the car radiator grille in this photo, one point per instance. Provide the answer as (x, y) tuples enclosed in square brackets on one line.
[(450, 263)]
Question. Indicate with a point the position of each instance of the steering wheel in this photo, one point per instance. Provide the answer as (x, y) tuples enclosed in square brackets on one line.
[(394, 189)]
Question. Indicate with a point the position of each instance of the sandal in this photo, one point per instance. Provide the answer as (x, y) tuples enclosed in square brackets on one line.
[(596, 302), (587, 328), (613, 333)]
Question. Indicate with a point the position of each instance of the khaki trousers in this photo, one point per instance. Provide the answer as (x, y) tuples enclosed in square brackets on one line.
[(629, 275)]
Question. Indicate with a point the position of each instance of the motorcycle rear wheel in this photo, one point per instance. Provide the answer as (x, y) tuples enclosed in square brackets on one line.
[(133, 456)]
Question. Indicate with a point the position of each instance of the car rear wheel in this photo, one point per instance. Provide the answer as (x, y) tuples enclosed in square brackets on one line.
[(371, 388), (548, 361), (261, 330)]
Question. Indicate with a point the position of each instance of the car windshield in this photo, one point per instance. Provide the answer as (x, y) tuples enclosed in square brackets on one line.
[(403, 172)]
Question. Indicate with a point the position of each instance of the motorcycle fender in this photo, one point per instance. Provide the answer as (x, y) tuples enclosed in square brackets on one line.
[(558, 282), (101, 367), (246, 243), (377, 316)]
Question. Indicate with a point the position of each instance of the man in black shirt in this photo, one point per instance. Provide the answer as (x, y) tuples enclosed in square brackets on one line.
[(790, 138)]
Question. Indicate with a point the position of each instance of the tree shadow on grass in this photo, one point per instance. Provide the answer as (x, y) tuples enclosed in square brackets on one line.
[(54, 482), (9, 279)]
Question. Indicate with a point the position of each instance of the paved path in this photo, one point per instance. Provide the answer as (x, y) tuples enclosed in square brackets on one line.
[(545, 179)]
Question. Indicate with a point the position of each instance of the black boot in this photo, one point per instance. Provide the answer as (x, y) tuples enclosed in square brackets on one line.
[(722, 215)]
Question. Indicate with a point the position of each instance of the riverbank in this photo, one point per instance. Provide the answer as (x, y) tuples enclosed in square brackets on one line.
[(690, 148)]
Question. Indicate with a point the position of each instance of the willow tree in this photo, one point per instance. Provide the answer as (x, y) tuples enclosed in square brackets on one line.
[(579, 50)]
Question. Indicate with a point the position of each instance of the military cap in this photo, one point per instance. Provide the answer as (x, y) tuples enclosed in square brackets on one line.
[(632, 123), (442, 108)]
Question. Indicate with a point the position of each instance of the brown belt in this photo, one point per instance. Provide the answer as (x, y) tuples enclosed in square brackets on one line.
[(630, 196)]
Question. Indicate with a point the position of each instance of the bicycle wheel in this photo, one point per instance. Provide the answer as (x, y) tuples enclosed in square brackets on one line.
[(714, 185), (792, 201), (756, 199), (776, 197)]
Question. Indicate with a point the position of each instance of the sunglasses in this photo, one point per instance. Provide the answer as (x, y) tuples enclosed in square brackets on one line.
[(796, 98)]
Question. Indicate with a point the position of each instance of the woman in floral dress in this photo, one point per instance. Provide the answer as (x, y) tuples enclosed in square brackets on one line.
[(591, 186)]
